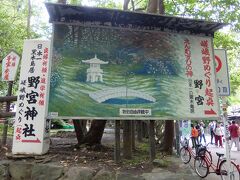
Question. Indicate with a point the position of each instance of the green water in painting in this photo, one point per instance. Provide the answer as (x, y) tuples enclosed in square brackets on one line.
[(71, 96)]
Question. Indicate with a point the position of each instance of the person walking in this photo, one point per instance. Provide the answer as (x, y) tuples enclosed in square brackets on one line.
[(212, 129), (194, 136), (202, 134), (218, 136), (234, 134), (199, 131)]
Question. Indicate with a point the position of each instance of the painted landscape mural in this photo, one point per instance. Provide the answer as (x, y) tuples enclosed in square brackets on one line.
[(98, 71)]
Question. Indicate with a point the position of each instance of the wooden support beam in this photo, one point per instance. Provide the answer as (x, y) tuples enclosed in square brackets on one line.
[(7, 114), (117, 157), (8, 98), (152, 140), (127, 139)]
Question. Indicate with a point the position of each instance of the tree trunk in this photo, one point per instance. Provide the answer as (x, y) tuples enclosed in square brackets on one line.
[(133, 135), (95, 132), (78, 130), (139, 131), (144, 129), (125, 5), (152, 6), (127, 139), (161, 7), (168, 136)]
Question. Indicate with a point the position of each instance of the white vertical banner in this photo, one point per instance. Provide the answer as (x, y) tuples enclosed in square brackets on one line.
[(31, 128), (222, 76), (9, 66)]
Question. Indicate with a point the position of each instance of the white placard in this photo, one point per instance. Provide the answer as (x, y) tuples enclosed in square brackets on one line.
[(134, 112), (31, 129), (222, 76), (9, 66)]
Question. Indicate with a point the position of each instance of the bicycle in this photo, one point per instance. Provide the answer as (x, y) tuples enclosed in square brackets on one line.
[(186, 153), (202, 165)]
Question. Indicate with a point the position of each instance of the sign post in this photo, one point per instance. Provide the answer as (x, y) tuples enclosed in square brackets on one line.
[(223, 90), (227, 135), (9, 72), (31, 128)]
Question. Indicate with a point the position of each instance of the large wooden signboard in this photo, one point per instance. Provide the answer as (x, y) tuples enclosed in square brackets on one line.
[(109, 65), (106, 72)]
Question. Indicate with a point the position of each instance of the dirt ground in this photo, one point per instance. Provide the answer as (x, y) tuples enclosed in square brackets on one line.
[(63, 151)]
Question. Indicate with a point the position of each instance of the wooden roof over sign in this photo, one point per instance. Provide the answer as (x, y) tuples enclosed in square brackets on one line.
[(62, 13)]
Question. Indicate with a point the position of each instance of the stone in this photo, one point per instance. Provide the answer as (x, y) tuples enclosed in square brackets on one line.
[(158, 176), (127, 176), (103, 174), (158, 170), (46, 171), (3, 172), (160, 163), (78, 173), (20, 170)]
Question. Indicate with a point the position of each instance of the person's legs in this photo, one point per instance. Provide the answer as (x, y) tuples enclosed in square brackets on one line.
[(204, 138), (236, 141), (216, 140), (211, 137), (200, 138), (231, 143), (197, 139), (220, 141), (193, 142)]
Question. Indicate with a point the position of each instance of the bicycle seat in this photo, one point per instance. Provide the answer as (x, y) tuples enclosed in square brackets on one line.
[(198, 145), (219, 154)]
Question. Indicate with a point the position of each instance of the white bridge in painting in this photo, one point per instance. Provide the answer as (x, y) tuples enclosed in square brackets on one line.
[(119, 92)]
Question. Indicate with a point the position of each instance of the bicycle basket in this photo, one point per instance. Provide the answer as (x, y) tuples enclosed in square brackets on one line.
[(201, 151), (185, 143)]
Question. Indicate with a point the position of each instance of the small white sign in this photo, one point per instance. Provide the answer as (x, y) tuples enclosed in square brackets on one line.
[(10, 66), (53, 114), (31, 128), (135, 112), (222, 76)]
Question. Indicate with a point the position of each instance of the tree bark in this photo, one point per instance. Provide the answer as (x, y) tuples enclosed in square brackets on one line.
[(133, 134), (95, 133), (161, 7), (78, 130), (152, 142), (152, 6), (168, 136), (139, 131), (127, 139), (125, 5)]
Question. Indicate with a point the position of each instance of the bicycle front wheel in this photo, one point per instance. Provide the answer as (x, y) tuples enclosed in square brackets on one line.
[(234, 171), (201, 166), (185, 155)]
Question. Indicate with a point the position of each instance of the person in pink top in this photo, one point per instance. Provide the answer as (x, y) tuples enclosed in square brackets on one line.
[(218, 136), (234, 134)]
